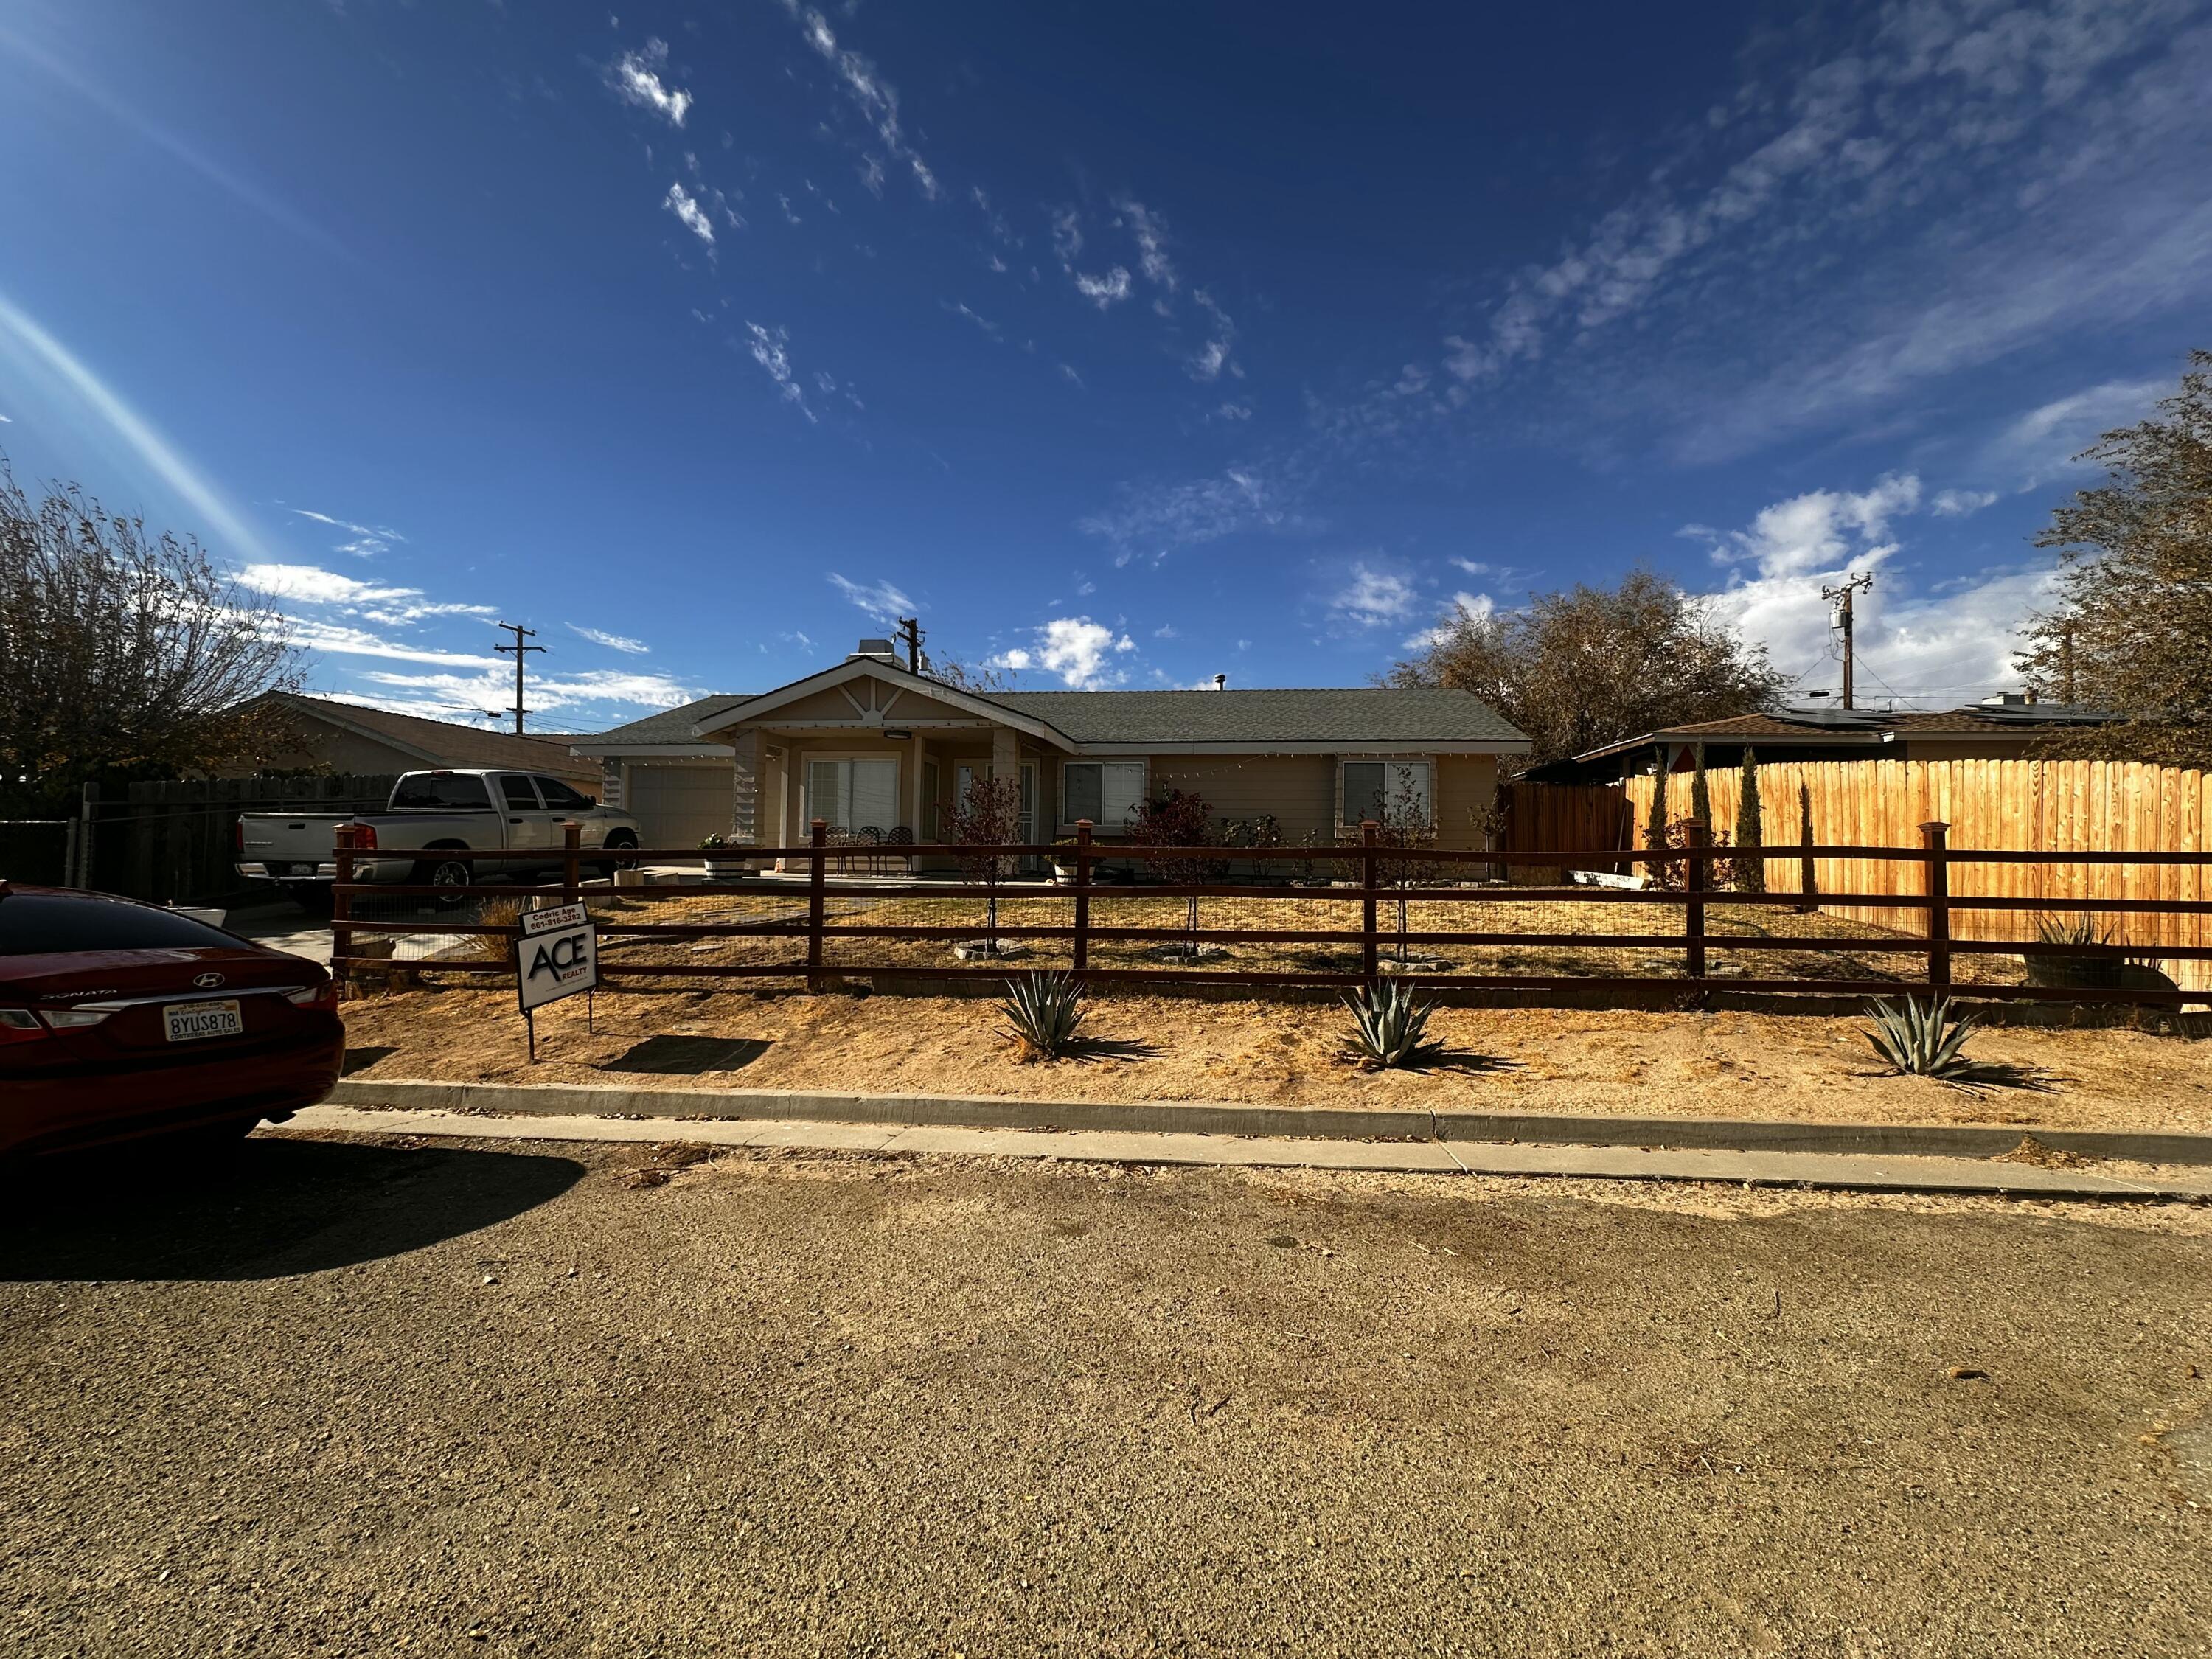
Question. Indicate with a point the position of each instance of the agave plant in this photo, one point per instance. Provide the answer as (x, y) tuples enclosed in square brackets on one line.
[(2068, 930), (1913, 1039), (1042, 1012), (1389, 1024)]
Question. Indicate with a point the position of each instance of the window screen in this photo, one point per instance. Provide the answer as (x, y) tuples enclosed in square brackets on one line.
[(438, 792), (1110, 794), (1388, 792)]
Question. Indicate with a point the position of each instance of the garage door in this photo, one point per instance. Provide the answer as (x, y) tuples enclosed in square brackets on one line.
[(677, 805)]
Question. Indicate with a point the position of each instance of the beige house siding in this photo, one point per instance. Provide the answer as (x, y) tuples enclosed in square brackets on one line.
[(1300, 790), (1467, 785)]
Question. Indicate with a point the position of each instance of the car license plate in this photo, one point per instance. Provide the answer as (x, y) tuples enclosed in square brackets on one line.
[(189, 1021)]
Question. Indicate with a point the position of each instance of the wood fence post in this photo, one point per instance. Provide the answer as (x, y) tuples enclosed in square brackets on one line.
[(1082, 896), (817, 866), (1368, 831), (88, 818), (1696, 873), (341, 902), (1938, 885), (572, 866)]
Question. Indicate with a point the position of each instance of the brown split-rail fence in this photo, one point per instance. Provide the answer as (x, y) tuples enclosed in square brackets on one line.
[(1358, 911)]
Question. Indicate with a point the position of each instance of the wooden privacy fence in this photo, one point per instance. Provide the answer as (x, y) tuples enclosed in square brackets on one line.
[(800, 935), (2014, 824), (1540, 817), (174, 839)]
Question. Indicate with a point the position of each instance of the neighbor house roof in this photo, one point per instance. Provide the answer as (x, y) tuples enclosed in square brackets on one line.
[(1332, 716), (670, 731), (438, 743)]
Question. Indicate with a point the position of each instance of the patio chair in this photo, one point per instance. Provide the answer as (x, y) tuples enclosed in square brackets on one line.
[(899, 835), (871, 836), (837, 840)]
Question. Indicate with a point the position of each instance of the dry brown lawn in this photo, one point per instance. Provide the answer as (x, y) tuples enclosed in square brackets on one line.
[(1286, 1054)]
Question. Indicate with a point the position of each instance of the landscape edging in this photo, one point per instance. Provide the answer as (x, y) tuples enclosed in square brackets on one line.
[(1228, 1118)]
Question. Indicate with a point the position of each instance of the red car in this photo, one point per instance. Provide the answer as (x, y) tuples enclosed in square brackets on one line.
[(120, 1020)]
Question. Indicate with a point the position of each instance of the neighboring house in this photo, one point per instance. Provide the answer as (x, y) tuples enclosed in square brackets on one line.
[(2010, 727), (869, 744), (340, 737)]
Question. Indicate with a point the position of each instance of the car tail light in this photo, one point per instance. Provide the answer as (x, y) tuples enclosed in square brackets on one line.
[(75, 1019), (364, 838), (19, 1025), (237, 834), (323, 996)]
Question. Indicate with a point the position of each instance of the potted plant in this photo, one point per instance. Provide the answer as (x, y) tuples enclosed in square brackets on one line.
[(721, 864), (1063, 860)]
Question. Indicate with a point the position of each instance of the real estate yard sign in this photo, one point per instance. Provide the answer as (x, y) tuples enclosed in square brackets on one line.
[(556, 955)]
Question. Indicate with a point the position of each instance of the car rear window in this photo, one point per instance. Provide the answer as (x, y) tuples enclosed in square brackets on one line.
[(37, 924), (437, 791)]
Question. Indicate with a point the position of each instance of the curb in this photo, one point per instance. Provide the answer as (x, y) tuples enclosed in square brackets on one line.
[(1227, 1118)]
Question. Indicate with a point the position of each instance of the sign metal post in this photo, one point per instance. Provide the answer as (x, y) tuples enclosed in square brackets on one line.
[(556, 954)]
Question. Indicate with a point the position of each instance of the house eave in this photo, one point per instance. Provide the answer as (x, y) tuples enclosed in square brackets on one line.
[(1328, 746), (663, 751)]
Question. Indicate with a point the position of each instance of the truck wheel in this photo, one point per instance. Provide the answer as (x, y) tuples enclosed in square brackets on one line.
[(446, 870), (621, 842)]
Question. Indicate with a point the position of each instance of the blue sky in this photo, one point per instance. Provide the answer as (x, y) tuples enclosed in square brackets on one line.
[(1127, 345)]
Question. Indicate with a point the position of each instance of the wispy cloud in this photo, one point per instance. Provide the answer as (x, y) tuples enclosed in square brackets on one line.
[(24, 341), (1105, 291), (961, 309), (367, 540), (468, 697), (339, 638), (1156, 519), (2041, 445), (1373, 597), (612, 641), (317, 585), (876, 98), (1213, 357), (1150, 233), (1078, 650), (1465, 607), (679, 202), (636, 78), (770, 348), (1960, 503), (883, 603)]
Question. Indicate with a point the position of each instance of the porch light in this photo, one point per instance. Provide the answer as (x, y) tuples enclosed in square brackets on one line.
[(897, 734)]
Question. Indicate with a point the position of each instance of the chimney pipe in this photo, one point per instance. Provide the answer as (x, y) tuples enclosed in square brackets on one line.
[(1221, 682)]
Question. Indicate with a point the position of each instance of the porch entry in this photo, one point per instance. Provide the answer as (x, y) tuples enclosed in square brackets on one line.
[(1026, 834)]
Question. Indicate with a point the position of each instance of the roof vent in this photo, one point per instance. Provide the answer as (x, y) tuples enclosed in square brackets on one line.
[(874, 651), (1221, 682)]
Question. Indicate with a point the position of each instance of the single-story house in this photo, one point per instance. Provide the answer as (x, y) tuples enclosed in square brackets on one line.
[(2008, 728), (869, 744), (343, 737)]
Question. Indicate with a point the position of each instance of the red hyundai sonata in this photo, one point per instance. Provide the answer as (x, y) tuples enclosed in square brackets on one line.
[(120, 1020)]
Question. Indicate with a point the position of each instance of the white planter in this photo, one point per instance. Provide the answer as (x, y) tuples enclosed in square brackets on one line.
[(724, 869)]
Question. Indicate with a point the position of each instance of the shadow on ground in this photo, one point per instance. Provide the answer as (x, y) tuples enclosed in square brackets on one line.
[(264, 1208), (687, 1056)]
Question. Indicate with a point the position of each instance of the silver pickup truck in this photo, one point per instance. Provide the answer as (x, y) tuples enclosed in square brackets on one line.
[(433, 822)]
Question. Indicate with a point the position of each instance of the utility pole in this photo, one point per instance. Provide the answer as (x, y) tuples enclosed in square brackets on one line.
[(1843, 594), (521, 653), (910, 630)]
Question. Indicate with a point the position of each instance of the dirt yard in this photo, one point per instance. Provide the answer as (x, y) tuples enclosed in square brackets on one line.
[(1277, 1053), (366, 1397)]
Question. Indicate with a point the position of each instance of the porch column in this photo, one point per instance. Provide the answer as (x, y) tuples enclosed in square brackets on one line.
[(917, 753), (746, 763), (1005, 753)]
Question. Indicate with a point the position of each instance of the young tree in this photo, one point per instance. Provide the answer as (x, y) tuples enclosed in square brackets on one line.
[(1181, 819), (1581, 669), (2132, 630), (1655, 818), (1808, 883), (1750, 830), (1701, 793), (1407, 832), (122, 653), (987, 814)]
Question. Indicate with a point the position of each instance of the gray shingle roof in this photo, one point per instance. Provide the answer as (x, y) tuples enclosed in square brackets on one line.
[(1348, 714), (670, 725), (445, 743)]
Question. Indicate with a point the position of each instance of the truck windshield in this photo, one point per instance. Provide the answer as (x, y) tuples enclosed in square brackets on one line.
[(439, 792)]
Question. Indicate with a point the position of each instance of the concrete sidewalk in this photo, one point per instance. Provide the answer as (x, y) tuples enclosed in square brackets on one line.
[(1824, 1171)]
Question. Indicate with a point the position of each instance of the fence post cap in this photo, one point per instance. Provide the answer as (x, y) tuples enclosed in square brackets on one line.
[(1935, 825)]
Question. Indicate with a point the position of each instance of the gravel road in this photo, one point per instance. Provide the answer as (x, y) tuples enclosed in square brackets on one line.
[(373, 1397)]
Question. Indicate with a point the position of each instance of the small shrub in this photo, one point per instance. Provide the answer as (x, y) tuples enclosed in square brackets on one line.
[(1914, 1039), (2068, 930), (497, 947), (1043, 1011), (1389, 1024)]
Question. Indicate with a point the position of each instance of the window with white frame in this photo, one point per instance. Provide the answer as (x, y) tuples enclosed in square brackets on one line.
[(1110, 794), (853, 794), (1401, 792)]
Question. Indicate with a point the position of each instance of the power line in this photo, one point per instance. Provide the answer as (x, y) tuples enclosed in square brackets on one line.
[(521, 653)]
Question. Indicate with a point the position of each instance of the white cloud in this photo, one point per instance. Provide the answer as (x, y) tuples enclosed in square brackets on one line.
[(679, 202), (1066, 233), (1077, 650), (883, 603), (2041, 445), (1232, 411), (612, 641), (468, 697), (769, 348), (1165, 631), (1465, 607), (1151, 234), (1105, 291), (1960, 503), (1940, 645), (875, 97), (367, 540), (1375, 596), (1213, 357), (1156, 519), (309, 633), (315, 586), (635, 77)]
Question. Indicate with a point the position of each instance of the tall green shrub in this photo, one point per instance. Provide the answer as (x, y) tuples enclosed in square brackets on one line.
[(1750, 830), (1654, 820), (1701, 795), (1808, 882)]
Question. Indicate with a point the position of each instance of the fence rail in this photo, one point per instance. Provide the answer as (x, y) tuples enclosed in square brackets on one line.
[(1371, 881)]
